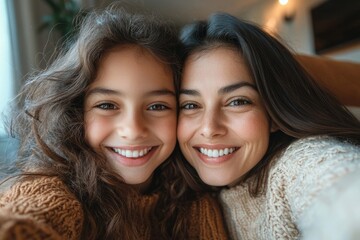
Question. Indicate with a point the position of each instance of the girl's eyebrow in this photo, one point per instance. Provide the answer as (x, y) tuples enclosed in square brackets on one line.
[(161, 92), (106, 91), (103, 91), (221, 91)]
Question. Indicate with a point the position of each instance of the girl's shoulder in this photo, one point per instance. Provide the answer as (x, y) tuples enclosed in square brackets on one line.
[(205, 218), (40, 205), (37, 188)]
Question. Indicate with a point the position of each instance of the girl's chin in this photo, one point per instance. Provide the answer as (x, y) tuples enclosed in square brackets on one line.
[(142, 186)]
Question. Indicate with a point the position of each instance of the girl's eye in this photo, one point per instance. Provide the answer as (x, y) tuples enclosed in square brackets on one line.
[(239, 102), (107, 106), (189, 106), (158, 107)]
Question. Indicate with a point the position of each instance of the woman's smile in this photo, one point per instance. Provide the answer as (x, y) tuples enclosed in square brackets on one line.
[(223, 129)]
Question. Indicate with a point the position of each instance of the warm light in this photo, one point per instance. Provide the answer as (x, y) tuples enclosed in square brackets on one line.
[(288, 10), (283, 2)]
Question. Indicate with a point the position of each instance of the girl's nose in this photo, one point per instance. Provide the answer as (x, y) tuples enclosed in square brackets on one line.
[(132, 126)]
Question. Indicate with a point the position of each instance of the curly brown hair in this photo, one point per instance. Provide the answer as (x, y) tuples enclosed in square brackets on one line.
[(50, 126)]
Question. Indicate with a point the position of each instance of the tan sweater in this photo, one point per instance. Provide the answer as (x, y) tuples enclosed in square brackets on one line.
[(44, 209), (306, 169)]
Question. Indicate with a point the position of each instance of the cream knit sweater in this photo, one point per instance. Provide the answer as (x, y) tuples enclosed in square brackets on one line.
[(306, 169)]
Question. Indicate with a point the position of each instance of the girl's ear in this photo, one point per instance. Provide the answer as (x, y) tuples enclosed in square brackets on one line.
[(273, 126)]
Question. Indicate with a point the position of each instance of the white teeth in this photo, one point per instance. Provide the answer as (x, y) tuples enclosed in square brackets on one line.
[(132, 154), (217, 152)]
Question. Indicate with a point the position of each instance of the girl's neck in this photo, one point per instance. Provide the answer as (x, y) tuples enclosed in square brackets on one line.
[(143, 187)]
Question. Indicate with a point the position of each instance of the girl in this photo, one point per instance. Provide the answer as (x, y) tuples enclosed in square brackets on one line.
[(253, 123), (97, 131)]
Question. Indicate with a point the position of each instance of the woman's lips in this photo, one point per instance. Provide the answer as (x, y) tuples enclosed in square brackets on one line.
[(215, 155)]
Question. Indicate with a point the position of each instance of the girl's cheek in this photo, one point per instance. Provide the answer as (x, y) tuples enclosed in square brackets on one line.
[(95, 129)]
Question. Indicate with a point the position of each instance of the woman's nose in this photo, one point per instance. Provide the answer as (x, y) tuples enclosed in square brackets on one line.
[(212, 124)]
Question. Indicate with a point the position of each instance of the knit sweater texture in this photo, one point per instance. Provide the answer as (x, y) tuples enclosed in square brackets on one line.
[(305, 169), (43, 208)]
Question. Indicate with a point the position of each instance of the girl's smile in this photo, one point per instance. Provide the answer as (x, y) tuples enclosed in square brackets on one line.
[(131, 153), (130, 112), (132, 157)]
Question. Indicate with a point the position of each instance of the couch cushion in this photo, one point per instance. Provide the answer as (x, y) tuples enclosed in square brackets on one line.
[(339, 77)]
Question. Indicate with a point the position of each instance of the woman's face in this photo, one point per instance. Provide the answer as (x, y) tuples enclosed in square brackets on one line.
[(223, 127), (130, 112)]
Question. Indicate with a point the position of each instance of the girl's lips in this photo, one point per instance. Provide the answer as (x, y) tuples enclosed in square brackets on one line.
[(132, 153), (132, 157)]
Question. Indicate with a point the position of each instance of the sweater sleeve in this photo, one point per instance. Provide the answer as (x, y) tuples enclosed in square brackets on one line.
[(310, 167), (206, 220), (335, 215), (40, 208)]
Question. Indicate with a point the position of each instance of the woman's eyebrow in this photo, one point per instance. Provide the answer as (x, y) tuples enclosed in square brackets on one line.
[(221, 91), (189, 92), (233, 87)]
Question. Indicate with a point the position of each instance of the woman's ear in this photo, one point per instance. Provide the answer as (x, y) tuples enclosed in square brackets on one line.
[(273, 126)]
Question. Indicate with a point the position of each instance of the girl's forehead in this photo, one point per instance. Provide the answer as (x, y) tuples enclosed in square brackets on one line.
[(127, 68)]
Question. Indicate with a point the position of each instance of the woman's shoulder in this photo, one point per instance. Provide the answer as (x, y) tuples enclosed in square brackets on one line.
[(322, 140), (317, 149), (314, 162), (41, 204), (308, 167)]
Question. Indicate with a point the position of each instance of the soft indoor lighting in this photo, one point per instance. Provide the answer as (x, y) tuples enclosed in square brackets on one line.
[(288, 10), (283, 2)]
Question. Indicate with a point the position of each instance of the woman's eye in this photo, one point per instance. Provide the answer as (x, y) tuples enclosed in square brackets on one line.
[(239, 102), (158, 107), (189, 106), (106, 106)]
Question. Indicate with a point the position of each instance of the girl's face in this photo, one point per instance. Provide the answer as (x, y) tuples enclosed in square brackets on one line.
[(130, 112), (223, 127)]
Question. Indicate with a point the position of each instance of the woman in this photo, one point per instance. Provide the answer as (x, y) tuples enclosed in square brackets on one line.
[(253, 123)]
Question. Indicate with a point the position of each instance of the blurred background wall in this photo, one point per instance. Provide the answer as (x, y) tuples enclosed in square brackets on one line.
[(25, 48)]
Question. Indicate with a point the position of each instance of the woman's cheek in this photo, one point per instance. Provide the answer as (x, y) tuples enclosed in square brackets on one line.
[(184, 129), (255, 126)]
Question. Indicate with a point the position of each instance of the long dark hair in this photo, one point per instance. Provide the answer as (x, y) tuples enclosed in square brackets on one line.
[(50, 127), (295, 103)]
